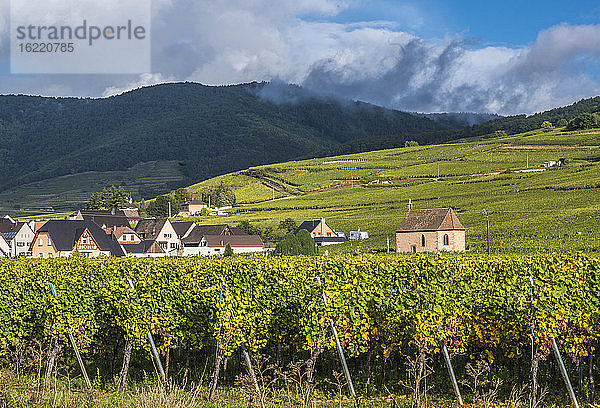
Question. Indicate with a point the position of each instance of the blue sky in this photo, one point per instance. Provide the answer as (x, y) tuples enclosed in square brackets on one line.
[(504, 57), (509, 22)]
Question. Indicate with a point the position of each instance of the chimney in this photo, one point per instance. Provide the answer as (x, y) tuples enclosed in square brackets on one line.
[(409, 204)]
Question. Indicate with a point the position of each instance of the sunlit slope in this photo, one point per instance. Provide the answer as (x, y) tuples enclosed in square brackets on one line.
[(532, 208)]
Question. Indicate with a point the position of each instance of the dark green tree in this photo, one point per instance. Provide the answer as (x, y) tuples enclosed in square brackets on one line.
[(160, 206), (181, 194), (307, 243), (248, 228), (228, 250), (108, 199), (288, 246), (584, 121), (288, 225)]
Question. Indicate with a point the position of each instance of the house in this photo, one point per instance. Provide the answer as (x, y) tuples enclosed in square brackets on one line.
[(18, 235), (183, 229), (161, 231), (57, 238), (358, 235), (197, 244), (430, 230), (212, 240), (147, 249), (317, 228), (321, 232), (551, 163), (192, 207), (123, 235)]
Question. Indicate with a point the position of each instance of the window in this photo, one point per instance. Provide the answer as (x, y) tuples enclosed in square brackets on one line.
[(446, 239), (414, 248), (49, 241), (173, 245), (422, 240), (167, 235), (40, 243), (20, 244), (40, 255)]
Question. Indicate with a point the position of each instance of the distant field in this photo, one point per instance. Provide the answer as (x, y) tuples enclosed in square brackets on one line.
[(60, 194), (530, 208)]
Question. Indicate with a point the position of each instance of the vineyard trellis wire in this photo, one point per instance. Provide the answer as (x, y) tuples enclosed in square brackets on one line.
[(379, 304)]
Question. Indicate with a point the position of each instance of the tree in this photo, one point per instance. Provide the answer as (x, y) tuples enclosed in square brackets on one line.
[(562, 123), (584, 121), (288, 246), (219, 196), (248, 228), (228, 250), (160, 206), (109, 199), (411, 143), (500, 133), (547, 126), (307, 243), (288, 225), (181, 194)]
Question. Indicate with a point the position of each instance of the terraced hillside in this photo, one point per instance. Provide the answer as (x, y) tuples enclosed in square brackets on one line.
[(530, 207), (66, 193)]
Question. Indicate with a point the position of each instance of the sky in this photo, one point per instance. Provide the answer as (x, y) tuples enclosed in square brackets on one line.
[(506, 57)]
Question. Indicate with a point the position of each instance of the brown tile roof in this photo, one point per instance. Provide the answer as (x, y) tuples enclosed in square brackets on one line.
[(119, 231), (149, 229), (430, 219)]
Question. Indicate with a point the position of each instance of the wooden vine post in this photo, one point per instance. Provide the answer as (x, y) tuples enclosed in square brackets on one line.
[(559, 360), (75, 349), (153, 349), (338, 346)]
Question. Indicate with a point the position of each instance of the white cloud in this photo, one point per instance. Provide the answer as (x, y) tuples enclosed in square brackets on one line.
[(143, 80), (233, 41)]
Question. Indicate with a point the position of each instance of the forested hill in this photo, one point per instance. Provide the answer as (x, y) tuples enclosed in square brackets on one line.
[(511, 125), (208, 130), (523, 123)]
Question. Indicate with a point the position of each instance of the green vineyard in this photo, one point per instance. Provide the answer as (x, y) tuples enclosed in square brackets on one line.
[(387, 310)]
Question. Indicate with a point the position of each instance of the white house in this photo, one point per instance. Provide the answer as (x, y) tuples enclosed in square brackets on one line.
[(18, 235), (212, 240), (356, 235), (160, 231)]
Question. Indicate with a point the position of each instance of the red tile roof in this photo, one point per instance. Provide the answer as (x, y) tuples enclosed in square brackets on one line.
[(430, 219)]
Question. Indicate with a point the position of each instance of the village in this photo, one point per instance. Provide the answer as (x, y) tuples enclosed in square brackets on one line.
[(124, 233)]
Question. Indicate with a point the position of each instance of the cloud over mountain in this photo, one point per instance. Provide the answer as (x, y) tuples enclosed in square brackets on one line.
[(380, 62)]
